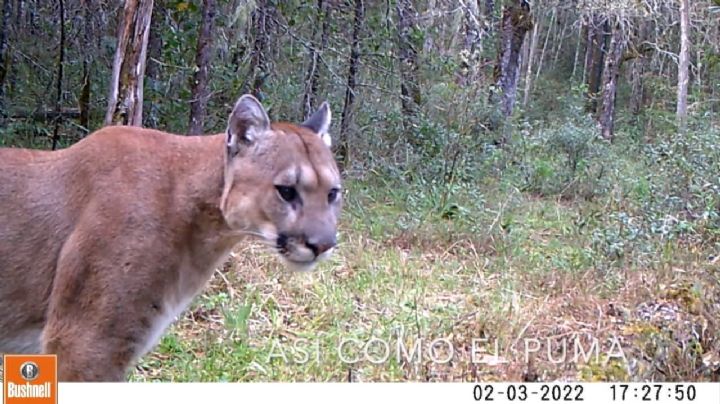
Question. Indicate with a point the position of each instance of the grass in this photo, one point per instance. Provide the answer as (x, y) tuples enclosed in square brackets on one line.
[(524, 270), (495, 276)]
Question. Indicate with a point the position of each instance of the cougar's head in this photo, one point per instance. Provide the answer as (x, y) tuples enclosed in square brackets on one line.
[(281, 183)]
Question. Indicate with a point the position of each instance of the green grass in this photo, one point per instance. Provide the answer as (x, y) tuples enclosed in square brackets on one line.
[(623, 249), (522, 268)]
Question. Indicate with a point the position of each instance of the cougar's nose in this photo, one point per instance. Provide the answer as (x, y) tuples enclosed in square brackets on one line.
[(321, 244)]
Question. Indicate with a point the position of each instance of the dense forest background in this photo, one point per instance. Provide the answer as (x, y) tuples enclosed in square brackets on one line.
[(513, 169)]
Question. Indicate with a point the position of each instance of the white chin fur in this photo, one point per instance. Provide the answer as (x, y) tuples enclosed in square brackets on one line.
[(305, 266), (295, 266)]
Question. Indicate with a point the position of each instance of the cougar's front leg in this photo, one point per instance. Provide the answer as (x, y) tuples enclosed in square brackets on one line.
[(105, 301)]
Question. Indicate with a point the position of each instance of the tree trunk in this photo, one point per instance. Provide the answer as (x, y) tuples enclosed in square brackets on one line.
[(516, 21), (353, 66), (84, 98), (532, 47), (683, 65), (20, 11), (408, 52), (598, 33), (153, 68), (58, 84), (551, 26), (578, 46), (126, 85), (312, 77), (473, 41), (152, 71), (6, 14), (637, 95), (258, 61), (490, 12), (199, 86), (611, 72)]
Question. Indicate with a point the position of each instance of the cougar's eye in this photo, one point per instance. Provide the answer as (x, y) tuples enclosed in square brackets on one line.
[(287, 193), (332, 195)]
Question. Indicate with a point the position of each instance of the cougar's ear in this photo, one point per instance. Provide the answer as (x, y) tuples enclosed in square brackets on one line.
[(319, 122), (248, 121)]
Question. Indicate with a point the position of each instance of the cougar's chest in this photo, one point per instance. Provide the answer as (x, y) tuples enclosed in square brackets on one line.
[(192, 276)]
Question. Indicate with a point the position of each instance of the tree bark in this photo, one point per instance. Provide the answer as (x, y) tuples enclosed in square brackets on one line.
[(84, 98), (516, 21), (6, 14), (551, 26), (490, 12), (408, 45), (532, 49), (126, 85), (60, 63), (258, 60), (598, 34), (354, 64), (578, 46), (312, 77), (153, 68), (154, 50), (611, 72), (683, 64), (637, 95), (472, 45), (199, 86)]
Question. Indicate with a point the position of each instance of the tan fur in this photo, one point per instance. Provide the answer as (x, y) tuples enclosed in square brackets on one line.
[(104, 243)]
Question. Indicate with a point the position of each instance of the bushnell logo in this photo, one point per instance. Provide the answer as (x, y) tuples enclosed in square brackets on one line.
[(30, 379)]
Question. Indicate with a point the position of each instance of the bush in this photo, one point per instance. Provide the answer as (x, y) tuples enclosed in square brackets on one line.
[(566, 160)]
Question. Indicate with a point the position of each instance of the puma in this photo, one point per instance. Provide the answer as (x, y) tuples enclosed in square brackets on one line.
[(104, 243)]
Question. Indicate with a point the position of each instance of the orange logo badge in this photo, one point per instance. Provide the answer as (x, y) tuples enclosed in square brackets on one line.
[(30, 379)]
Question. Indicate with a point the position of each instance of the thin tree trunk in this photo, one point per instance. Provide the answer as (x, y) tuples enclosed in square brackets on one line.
[(61, 62), (312, 77), (490, 34), (598, 32), (126, 85), (408, 51), (473, 41), (19, 11), (516, 21), (258, 61), (551, 26), (153, 68), (610, 79), (637, 95), (683, 65), (199, 86), (84, 99), (4, 31), (577, 52), (560, 42), (490, 13), (532, 49), (353, 66)]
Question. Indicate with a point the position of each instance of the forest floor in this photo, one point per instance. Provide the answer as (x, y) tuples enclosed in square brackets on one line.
[(518, 295)]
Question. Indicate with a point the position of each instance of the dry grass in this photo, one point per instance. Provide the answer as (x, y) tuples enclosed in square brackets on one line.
[(510, 297), (478, 295)]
